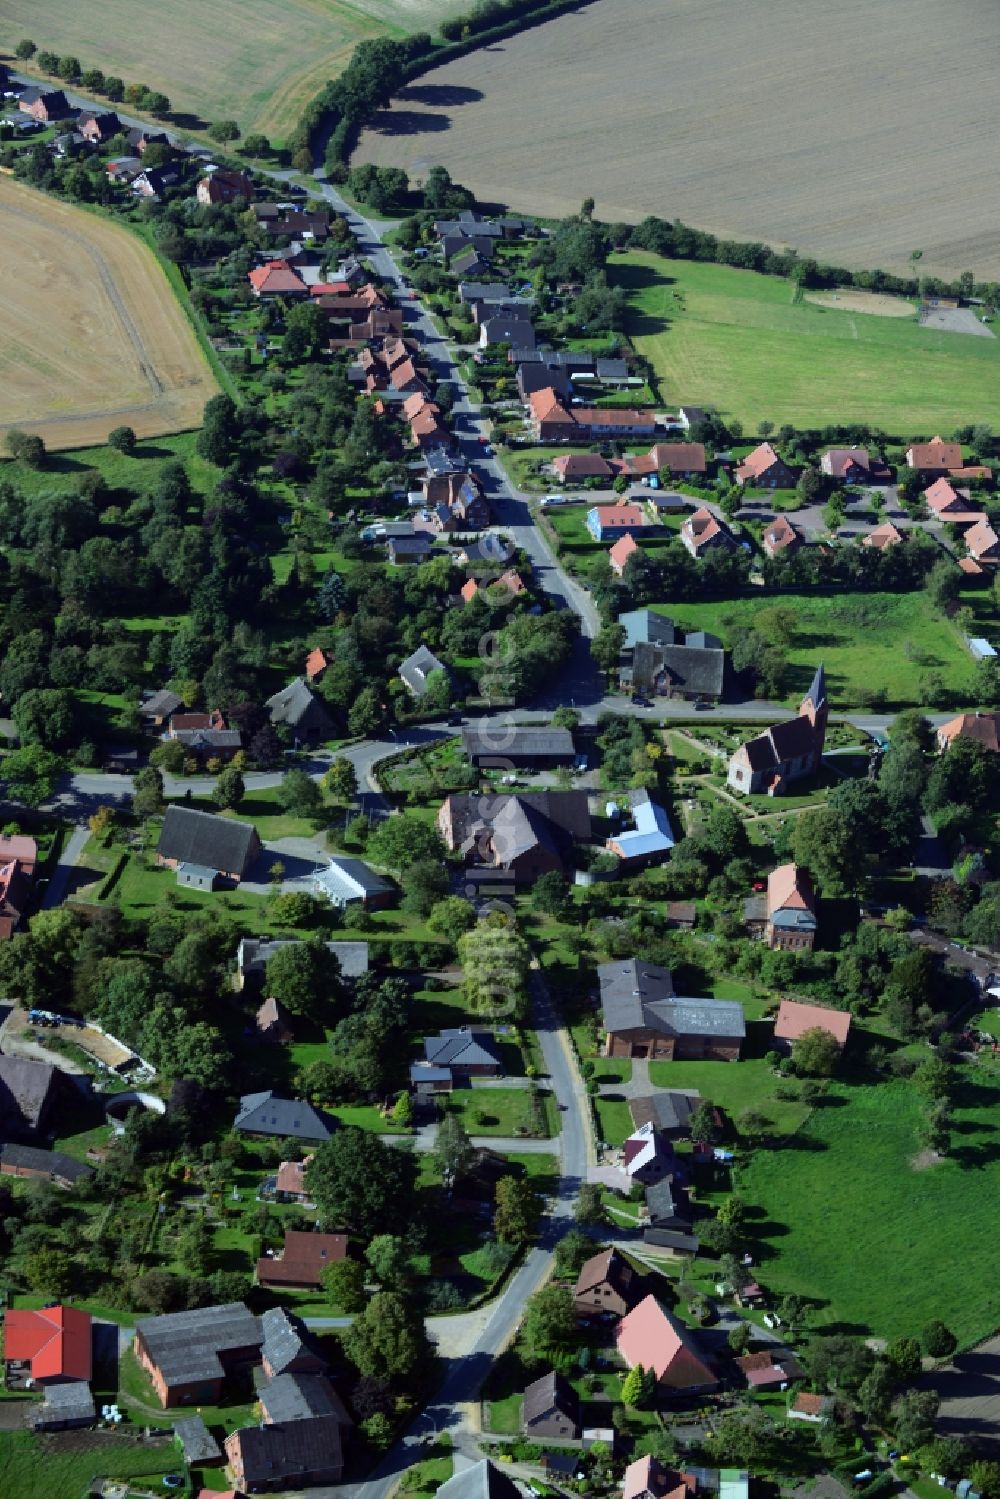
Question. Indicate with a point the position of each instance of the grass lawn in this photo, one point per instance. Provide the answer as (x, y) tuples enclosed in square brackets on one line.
[(54, 1467), (743, 343), (887, 640), (733, 1086), (884, 1247), (504, 1415), (133, 474), (614, 1119), (500, 1111)]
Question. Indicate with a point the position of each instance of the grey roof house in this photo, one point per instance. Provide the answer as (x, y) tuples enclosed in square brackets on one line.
[(301, 712), (28, 1091), (551, 1408), (286, 1118), (218, 844), (253, 954), (300, 1397), (346, 881), (482, 1481), (189, 1354), (506, 747), (64, 1406), (643, 1017), (287, 1346), (416, 669), (198, 1446)]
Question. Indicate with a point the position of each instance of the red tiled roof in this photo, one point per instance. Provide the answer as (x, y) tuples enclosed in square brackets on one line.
[(469, 590), (622, 550), (758, 462), (545, 406), (788, 886), (942, 495), (650, 1336), (935, 454), (581, 466), (701, 527), (291, 1176), (984, 728), (885, 535), (794, 1019), (981, 538), (277, 276), (316, 663), (304, 1256), (620, 515), (611, 416), (56, 1340)]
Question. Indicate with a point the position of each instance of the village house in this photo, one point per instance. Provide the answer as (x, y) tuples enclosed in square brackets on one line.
[(30, 1092), (192, 841), (644, 1017), (812, 1408), (482, 1480), (506, 328), (416, 671), (606, 1283), (786, 915), (647, 1478), (44, 104), (625, 547), (572, 468), (49, 1346), (254, 954), (979, 728), (884, 536), (317, 663), (951, 504), (152, 181), (703, 530), (789, 752), (189, 1355), (782, 538), (297, 223), (467, 1052), (606, 522), (551, 421), (98, 126), (647, 1156), (649, 1336), (299, 1265), (693, 667), (649, 839), (276, 278), (299, 1443), (273, 1023), (223, 186), (795, 1018), (347, 882), (934, 459), (140, 136), (15, 896), (519, 837), (853, 466), (983, 543), (157, 708), (301, 712), (505, 747), (276, 1116), (769, 1370), (667, 1109), (550, 1409), (681, 460), (42, 1165), (287, 1346), (764, 468)]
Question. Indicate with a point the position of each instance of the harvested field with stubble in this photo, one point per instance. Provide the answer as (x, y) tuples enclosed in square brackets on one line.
[(93, 335), (857, 131), (258, 62)]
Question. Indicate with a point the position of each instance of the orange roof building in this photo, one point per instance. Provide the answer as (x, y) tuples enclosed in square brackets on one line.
[(512, 581), (981, 728), (468, 591), (703, 530), (765, 468), (781, 538), (650, 1336), (935, 457), (790, 925), (794, 1019), (277, 279), (55, 1341), (622, 550), (983, 542), (884, 536), (317, 662)]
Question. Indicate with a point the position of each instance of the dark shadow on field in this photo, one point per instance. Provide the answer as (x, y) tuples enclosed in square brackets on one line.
[(407, 122), (180, 120), (61, 463), (445, 96), (637, 278), (150, 450)]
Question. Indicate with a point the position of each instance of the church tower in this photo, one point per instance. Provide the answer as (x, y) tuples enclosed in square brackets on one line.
[(814, 706)]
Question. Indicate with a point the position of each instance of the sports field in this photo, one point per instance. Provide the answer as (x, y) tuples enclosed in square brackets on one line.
[(745, 344), (857, 132), (257, 62), (93, 335)]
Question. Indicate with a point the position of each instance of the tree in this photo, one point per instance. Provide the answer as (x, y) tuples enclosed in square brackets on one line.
[(25, 49), (572, 1252), (122, 439), (425, 884), (358, 1183), (549, 1326), (589, 1207), (495, 959), (934, 1077), (816, 1053), (985, 1478), (401, 840), (744, 1435), (224, 130), (828, 845), (158, 105), (229, 789), (300, 795), (389, 1261), (402, 1110), (453, 1150), (344, 1283), (550, 893), (903, 1356), (30, 774), (147, 793), (387, 1338), (937, 1340), (606, 646), (256, 145), (875, 1393), (739, 1339), (518, 1207), (219, 431), (632, 1387), (452, 917), (913, 1418), (305, 978), (51, 1272), (703, 1126), (367, 715), (25, 447), (341, 780)]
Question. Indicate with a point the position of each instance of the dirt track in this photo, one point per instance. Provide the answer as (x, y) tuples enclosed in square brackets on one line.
[(93, 335), (857, 131)]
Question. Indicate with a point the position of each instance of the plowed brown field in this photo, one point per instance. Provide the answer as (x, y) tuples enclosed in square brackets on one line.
[(93, 336), (858, 130)]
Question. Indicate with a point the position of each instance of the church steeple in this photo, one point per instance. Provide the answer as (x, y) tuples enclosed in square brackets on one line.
[(814, 707)]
